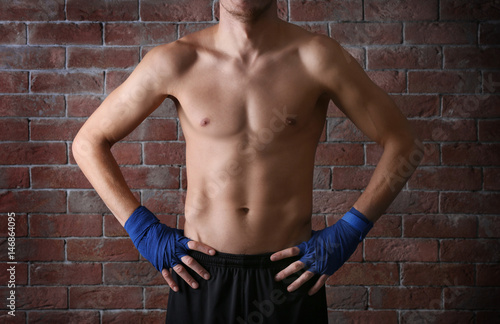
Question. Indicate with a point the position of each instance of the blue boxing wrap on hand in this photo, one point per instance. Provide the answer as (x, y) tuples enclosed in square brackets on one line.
[(159, 244), (327, 250)]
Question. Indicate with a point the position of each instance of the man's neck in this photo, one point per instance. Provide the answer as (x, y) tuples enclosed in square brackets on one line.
[(246, 39)]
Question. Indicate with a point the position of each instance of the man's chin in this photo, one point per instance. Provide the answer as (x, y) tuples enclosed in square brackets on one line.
[(250, 13)]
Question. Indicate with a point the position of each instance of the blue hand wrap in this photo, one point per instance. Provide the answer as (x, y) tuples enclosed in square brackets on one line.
[(328, 249), (159, 244)]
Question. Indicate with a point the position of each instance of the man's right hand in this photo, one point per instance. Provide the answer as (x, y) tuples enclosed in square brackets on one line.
[(165, 247)]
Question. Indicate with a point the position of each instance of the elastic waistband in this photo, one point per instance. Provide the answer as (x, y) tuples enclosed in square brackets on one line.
[(228, 260)]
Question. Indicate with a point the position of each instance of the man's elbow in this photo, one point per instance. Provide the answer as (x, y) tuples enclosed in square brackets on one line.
[(85, 146)]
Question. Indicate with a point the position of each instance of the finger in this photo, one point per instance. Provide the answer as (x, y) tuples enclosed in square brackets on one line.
[(193, 264), (292, 268), (317, 286), (182, 272), (200, 247), (286, 253), (300, 281), (170, 280)]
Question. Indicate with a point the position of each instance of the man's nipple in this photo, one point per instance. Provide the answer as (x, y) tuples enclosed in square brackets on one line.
[(205, 122)]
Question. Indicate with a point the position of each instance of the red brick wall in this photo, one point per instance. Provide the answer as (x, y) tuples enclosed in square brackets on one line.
[(432, 259)]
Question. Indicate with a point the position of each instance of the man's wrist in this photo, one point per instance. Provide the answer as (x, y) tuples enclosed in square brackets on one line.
[(359, 221), (139, 221)]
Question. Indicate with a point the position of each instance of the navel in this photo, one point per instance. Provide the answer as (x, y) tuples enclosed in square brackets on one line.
[(290, 121), (205, 122)]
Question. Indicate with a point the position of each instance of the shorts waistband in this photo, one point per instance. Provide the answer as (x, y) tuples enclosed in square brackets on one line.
[(221, 259)]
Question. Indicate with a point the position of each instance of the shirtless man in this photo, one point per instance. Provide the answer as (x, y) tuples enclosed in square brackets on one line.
[(252, 94)]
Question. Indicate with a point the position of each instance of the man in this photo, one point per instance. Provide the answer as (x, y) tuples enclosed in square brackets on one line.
[(251, 94)]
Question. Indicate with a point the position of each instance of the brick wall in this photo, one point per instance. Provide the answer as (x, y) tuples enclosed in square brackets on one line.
[(432, 259)]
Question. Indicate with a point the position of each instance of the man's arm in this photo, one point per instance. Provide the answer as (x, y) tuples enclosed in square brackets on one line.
[(376, 115), (120, 113)]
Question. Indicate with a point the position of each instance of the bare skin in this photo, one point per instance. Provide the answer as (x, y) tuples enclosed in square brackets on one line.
[(251, 94)]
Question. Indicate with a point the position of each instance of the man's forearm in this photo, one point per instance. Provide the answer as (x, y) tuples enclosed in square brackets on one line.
[(100, 167), (399, 160)]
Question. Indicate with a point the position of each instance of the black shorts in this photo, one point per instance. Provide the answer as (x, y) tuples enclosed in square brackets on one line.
[(242, 290)]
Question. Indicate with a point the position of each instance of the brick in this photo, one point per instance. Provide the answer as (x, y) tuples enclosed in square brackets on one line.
[(21, 274), (389, 81), (404, 57), (343, 129), (470, 202), (58, 177), (167, 109), (431, 154), (156, 297), (150, 317), (32, 153), (176, 10), (72, 82), (65, 274), (491, 178), (29, 249), (56, 129), (14, 177), (441, 317), (470, 57), (32, 57), (65, 225), (14, 129), (365, 33), (165, 153), (21, 223), (13, 82), (83, 105), (114, 79), (27, 201), (443, 81), (327, 202), (96, 10), (152, 129), (124, 153), (346, 297), (32, 298), (113, 228), (471, 298), (102, 57), (488, 226), (487, 316), (489, 33), (66, 316), (139, 33), (414, 202), (491, 82), (65, 33), (144, 274), (33, 10), (101, 249), (386, 226), (366, 274), (471, 106), (20, 317), (351, 177), (427, 33), (439, 226), (444, 130), (488, 275), (446, 178), (325, 10), (157, 177), (404, 297), (12, 33), (401, 10), (437, 274), (423, 250), (86, 202), (469, 10), (365, 317), (339, 154), (164, 201), (489, 130), (32, 106), (460, 250), (321, 178), (105, 297), (470, 154)]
